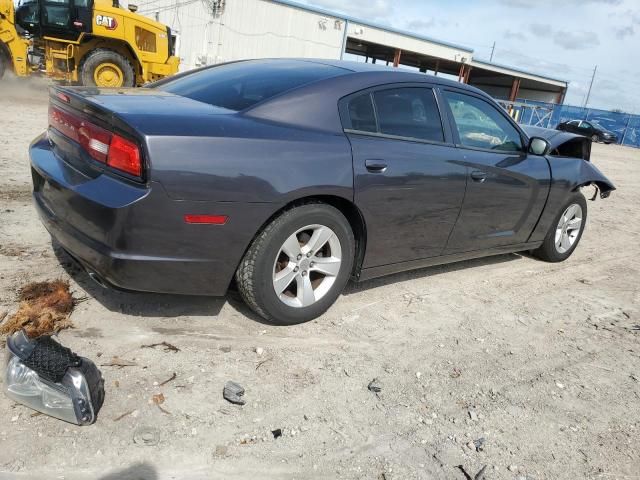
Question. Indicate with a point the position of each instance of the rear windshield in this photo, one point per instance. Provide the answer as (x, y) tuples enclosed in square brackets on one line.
[(238, 86)]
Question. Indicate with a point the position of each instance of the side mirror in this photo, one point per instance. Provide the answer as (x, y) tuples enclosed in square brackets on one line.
[(539, 146), (132, 8)]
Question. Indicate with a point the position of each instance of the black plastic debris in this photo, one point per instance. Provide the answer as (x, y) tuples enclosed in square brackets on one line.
[(234, 392), (276, 433), (375, 386), (479, 444)]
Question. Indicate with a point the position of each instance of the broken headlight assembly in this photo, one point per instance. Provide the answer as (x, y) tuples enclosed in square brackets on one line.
[(48, 377)]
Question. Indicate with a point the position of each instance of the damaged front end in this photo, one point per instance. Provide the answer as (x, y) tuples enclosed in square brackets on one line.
[(564, 145)]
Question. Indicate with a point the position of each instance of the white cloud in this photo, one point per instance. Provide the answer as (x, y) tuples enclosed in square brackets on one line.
[(576, 40)]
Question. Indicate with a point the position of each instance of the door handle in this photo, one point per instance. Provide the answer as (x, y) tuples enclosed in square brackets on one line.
[(375, 166), (478, 176)]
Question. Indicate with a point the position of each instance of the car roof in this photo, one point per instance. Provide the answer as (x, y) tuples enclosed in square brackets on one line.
[(361, 67), (313, 105)]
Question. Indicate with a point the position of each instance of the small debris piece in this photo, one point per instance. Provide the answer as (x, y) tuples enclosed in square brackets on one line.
[(221, 450), (3, 315), (259, 350), (479, 444), (455, 373), (119, 362), (464, 472), (480, 474), (276, 433), (167, 346), (158, 399), (473, 415), (147, 436), (375, 386), (225, 349), (125, 414), (173, 377), (44, 309), (259, 364), (234, 392), (512, 468)]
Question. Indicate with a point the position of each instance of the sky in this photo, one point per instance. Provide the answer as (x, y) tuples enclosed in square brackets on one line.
[(564, 39)]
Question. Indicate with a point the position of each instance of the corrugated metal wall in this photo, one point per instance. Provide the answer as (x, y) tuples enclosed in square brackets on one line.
[(246, 29)]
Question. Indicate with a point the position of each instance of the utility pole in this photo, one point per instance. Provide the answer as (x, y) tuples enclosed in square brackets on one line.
[(590, 87), (493, 49)]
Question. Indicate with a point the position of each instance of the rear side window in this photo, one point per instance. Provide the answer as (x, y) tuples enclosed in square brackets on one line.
[(409, 112), (362, 115), (238, 86), (481, 125)]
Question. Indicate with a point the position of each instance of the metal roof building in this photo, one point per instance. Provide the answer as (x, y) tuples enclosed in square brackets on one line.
[(215, 31)]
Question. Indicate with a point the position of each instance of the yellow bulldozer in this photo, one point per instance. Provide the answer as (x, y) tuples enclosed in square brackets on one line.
[(84, 42)]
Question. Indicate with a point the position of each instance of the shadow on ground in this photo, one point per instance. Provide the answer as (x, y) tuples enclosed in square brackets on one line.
[(166, 305), (138, 471)]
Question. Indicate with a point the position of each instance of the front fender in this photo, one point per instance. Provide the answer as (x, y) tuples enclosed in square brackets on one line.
[(590, 174), (567, 176)]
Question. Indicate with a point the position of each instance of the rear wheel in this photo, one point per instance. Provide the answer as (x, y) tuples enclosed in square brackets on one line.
[(566, 230), (595, 138), (106, 68), (298, 265)]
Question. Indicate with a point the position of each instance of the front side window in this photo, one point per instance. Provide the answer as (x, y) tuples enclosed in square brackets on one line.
[(481, 125), (585, 125), (409, 112)]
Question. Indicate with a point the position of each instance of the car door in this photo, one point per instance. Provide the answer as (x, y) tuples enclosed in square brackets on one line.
[(407, 183), (572, 126), (507, 187), (586, 129)]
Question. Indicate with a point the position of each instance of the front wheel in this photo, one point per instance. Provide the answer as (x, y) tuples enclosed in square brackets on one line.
[(106, 68), (296, 268), (566, 230)]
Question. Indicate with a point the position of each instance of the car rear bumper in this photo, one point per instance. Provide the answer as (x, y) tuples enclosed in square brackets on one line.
[(134, 237)]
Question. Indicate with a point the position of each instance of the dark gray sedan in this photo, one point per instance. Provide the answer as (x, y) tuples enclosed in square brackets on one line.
[(293, 176)]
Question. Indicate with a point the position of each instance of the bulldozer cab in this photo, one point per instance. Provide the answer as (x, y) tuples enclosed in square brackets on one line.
[(64, 19)]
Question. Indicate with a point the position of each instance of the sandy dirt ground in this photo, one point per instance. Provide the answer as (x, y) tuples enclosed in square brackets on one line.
[(542, 361)]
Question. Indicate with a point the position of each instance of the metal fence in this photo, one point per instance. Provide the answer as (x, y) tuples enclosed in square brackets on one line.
[(549, 115)]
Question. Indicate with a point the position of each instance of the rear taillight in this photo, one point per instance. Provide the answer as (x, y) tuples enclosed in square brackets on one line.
[(101, 145), (124, 155)]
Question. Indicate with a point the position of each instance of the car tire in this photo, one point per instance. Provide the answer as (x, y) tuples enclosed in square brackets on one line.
[(272, 260), (595, 138), (114, 68), (562, 240)]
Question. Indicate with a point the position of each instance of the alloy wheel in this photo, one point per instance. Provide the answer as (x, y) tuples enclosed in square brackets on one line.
[(568, 228), (307, 266)]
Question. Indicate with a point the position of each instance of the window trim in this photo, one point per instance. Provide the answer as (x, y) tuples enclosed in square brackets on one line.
[(343, 109), (524, 139)]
